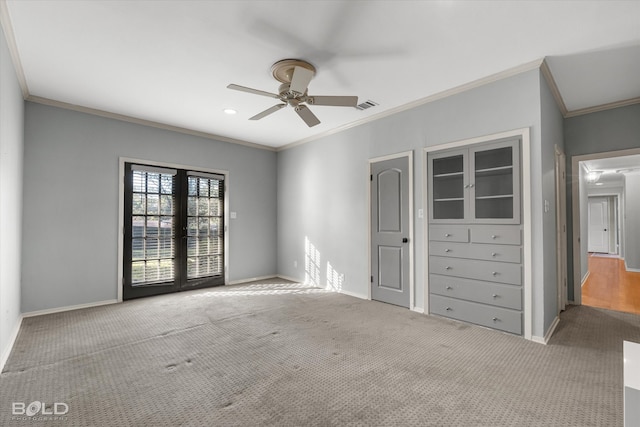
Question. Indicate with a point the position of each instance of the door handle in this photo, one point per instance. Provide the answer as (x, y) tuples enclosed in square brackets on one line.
[(405, 240), (605, 229)]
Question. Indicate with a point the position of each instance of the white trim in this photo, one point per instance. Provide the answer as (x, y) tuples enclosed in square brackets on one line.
[(431, 98), (144, 122), (353, 294), (252, 279), (12, 341), (13, 48), (584, 279), (524, 134), (289, 278), (418, 310), (69, 308), (633, 270), (575, 207), (603, 107), (120, 260), (551, 82), (545, 340), (409, 156)]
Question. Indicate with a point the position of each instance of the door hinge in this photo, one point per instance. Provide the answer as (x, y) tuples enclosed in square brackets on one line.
[(371, 177), (371, 279)]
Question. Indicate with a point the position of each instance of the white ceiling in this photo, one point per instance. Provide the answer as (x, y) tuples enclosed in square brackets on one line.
[(170, 61)]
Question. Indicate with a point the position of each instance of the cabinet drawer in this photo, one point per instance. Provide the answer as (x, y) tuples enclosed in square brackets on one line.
[(449, 233), (480, 314), (473, 290), (500, 253), (496, 234), (490, 271)]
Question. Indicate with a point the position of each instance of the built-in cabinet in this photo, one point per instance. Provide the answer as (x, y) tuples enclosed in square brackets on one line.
[(475, 234)]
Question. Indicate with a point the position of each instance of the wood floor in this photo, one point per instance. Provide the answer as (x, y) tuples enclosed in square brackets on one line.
[(610, 286)]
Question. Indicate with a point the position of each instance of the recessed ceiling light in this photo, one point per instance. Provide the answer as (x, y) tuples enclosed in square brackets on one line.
[(229, 111)]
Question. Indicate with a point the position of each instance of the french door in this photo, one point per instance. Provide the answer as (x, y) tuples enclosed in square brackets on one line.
[(174, 230)]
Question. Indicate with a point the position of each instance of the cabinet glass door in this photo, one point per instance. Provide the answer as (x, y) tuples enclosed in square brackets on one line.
[(495, 183), (448, 186)]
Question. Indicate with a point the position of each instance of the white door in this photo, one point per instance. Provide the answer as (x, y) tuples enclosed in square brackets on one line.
[(598, 224)]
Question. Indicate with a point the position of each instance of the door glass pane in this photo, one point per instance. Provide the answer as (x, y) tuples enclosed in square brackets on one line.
[(494, 158), (204, 227), (448, 187), (152, 244), (494, 183)]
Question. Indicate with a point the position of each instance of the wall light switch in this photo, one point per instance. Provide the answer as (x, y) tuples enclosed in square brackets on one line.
[(546, 206), (234, 215)]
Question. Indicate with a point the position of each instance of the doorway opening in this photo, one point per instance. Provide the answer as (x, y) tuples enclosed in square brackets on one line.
[(606, 211)]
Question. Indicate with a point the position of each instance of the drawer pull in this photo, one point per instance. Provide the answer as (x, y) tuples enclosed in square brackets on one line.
[(466, 186), (493, 254), (495, 319), (495, 295), (448, 288), (493, 236), (447, 268), (494, 273), (447, 250), (448, 308), (447, 235)]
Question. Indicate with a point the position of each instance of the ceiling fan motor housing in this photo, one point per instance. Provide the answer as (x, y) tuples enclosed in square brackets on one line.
[(283, 70)]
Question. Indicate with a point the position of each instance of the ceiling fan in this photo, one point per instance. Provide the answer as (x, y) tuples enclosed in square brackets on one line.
[(295, 75)]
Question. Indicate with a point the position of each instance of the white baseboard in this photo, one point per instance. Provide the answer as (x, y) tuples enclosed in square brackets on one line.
[(252, 279), (12, 340), (584, 279), (291, 279), (633, 270), (353, 294), (418, 310), (545, 340), (69, 308)]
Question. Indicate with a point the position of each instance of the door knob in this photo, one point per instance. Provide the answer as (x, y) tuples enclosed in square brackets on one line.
[(605, 229), (405, 240)]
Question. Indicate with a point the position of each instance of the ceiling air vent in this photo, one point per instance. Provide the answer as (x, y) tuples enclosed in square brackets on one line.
[(366, 105)]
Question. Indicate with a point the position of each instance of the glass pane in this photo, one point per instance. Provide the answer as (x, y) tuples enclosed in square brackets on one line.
[(165, 249), (138, 226), (192, 226), (448, 187), (214, 226), (215, 207), (204, 187), (453, 164), (153, 204), (203, 266), (151, 249), (166, 184), (215, 245), (191, 267), (166, 226), (137, 272), (203, 206), (137, 249), (153, 223), (166, 205), (165, 270), (192, 246), (494, 208), (193, 186), (203, 246), (448, 209), (215, 265), (139, 181), (152, 272), (192, 206), (203, 226), (153, 182), (494, 182), (498, 157), (139, 203)]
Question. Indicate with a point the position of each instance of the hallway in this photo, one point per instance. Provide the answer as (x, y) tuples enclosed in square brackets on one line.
[(610, 286)]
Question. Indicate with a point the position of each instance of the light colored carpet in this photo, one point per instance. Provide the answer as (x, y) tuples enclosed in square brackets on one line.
[(278, 353)]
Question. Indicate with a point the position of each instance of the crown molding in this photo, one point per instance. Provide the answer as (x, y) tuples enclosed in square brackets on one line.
[(149, 123), (5, 20), (551, 82), (602, 107), (440, 95)]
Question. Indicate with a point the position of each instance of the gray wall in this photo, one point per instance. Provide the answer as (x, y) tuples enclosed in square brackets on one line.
[(632, 222), (11, 152), (552, 136), (610, 130), (71, 162), (323, 185)]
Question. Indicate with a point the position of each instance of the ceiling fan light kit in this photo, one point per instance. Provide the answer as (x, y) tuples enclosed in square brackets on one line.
[(295, 76)]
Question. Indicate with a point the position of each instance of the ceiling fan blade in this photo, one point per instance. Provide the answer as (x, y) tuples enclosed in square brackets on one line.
[(254, 91), (267, 112), (335, 101), (300, 80), (305, 114)]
